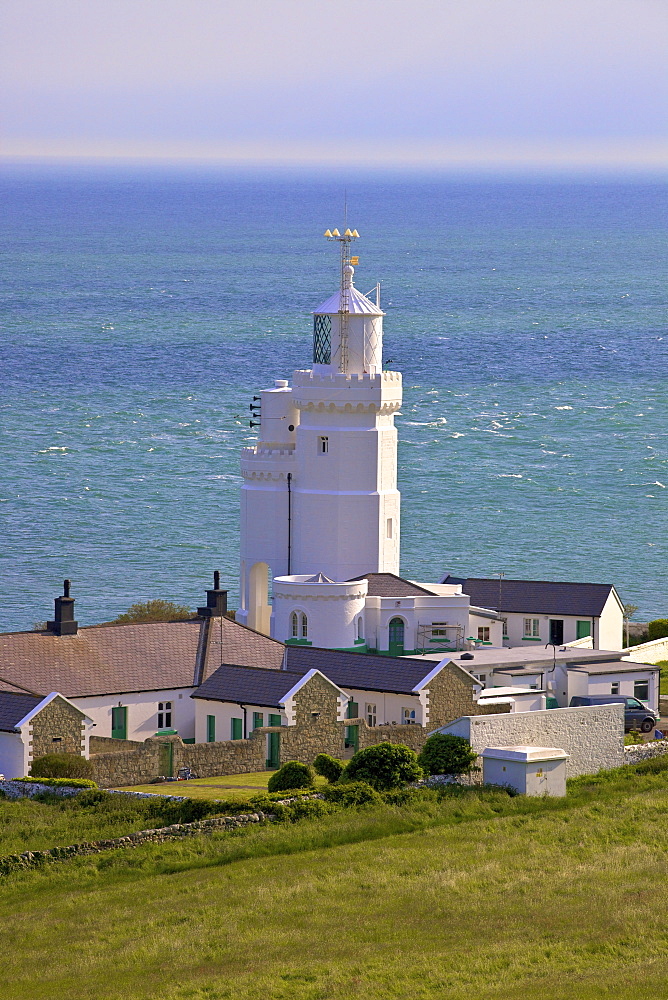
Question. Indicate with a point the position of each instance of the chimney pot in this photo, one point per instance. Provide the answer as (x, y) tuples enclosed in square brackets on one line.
[(216, 600)]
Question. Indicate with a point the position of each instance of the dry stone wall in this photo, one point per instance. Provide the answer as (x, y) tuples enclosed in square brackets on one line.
[(645, 751)]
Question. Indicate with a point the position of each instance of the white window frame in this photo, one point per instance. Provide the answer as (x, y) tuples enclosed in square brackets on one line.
[(531, 628), (408, 716), (371, 715), (614, 687), (483, 633), (164, 715), (439, 630)]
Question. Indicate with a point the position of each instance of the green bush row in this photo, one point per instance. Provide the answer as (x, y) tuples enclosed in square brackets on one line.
[(383, 766), (60, 782)]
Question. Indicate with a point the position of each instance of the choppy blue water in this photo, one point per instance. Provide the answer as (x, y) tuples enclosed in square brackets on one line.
[(140, 313)]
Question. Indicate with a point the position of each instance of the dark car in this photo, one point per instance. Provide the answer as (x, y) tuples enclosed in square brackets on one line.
[(636, 715)]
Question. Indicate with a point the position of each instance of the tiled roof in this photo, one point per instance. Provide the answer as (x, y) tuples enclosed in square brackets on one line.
[(105, 659), (14, 707), (536, 596), (356, 671), (390, 585), (248, 685)]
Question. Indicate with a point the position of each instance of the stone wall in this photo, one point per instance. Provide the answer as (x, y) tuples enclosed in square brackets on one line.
[(645, 751), (57, 728), (107, 744), (592, 735), (450, 696), (36, 859)]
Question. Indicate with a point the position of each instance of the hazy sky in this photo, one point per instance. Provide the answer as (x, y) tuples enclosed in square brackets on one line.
[(444, 82)]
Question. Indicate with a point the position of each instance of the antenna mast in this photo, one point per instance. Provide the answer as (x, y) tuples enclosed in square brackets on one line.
[(344, 242)]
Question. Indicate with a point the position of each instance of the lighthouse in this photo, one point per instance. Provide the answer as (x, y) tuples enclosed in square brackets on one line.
[(319, 503)]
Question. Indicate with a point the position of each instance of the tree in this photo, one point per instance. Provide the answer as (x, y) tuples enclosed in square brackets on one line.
[(657, 629), (444, 753), (384, 766), (154, 611), (629, 611)]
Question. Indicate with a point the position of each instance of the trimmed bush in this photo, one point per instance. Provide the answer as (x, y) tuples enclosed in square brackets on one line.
[(384, 766), (658, 629), (444, 753), (353, 793), (328, 767), (60, 782), (291, 775), (61, 765)]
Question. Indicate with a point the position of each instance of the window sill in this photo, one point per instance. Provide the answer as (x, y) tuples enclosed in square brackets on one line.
[(531, 638)]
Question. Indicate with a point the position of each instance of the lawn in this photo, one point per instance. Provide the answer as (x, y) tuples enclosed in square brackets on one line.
[(492, 898), (233, 786), (663, 681)]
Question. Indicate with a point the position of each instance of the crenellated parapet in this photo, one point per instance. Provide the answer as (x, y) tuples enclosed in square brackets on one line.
[(347, 392)]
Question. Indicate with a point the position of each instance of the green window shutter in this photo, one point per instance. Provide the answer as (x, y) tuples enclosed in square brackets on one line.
[(583, 629), (258, 720), (274, 720), (211, 729), (352, 709), (119, 723), (237, 729)]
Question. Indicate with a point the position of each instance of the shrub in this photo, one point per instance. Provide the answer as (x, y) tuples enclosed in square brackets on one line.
[(444, 753), (291, 775), (384, 766), (353, 793), (154, 611), (61, 765), (655, 765), (657, 629), (329, 767), (61, 782)]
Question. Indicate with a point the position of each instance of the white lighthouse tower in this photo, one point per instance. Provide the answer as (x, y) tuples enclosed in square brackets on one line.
[(320, 499)]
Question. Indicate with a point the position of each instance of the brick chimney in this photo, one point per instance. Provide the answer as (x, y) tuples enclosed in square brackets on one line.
[(216, 600), (63, 623)]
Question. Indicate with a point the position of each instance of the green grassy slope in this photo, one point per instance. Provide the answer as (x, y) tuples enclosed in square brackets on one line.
[(489, 899)]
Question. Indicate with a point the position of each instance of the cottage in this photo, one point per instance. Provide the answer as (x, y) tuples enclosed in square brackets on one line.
[(32, 726)]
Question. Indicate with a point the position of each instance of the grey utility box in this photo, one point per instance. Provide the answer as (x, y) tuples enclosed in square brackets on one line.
[(529, 770)]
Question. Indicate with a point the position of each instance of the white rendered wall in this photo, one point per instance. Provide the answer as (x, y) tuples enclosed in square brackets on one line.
[(14, 761), (516, 629), (611, 625), (592, 735), (414, 611), (332, 610), (345, 495), (142, 712), (223, 712), (389, 707)]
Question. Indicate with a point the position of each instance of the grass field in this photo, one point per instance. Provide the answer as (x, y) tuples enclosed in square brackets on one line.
[(234, 786), (481, 896)]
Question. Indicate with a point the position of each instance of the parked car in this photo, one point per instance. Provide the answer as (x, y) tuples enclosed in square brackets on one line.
[(636, 715)]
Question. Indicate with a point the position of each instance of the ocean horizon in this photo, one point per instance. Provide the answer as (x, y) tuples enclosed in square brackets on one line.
[(142, 310)]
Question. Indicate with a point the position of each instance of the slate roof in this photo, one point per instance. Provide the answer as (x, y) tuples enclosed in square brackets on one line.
[(14, 707), (105, 659), (536, 596), (350, 671), (390, 585)]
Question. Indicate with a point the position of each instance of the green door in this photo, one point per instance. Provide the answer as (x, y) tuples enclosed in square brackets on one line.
[(119, 723), (237, 729), (211, 729), (274, 744), (167, 759), (352, 738), (353, 710), (396, 637)]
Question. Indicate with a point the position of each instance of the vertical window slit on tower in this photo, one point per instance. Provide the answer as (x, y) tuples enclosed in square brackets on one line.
[(322, 340)]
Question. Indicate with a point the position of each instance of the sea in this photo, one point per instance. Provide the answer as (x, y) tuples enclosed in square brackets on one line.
[(142, 309)]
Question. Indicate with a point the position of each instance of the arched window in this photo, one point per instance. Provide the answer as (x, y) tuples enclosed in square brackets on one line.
[(294, 625), (360, 627), (304, 627), (396, 632)]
